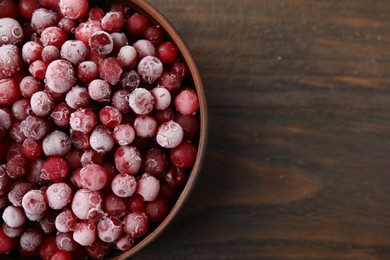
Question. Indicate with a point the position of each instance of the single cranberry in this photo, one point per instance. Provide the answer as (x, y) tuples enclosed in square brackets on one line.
[(87, 71), (124, 243), (110, 116), (186, 102), (47, 223), (53, 36), (77, 97), (96, 13), (11, 31), (110, 70), (80, 140), (113, 22), (87, 205), (8, 8), (175, 177), (85, 233), (60, 76), (30, 242), (190, 125), (32, 149), (184, 155), (14, 216), (61, 115), (61, 255), (154, 34), (136, 224), (155, 162), (141, 101), (180, 69), (163, 116), (167, 52), (114, 205), (101, 139), (136, 203), (73, 9), (38, 69), (7, 244), (170, 134), (30, 85), (58, 195), (150, 69), (10, 61), (65, 241), (56, 143), (123, 185), (148, 187), (109, 229), (157, 209), (120, 100), (128, 160), (99, 249), (20, 110), (41, 104), (48, 248), (85, 30), (162, 98), (145, 126), (130, 80), (31, 51), (93, 177), (170, 81), (74, 159), (83, 120), (34, 127), (144, 48), (124, 134), (65, 221), (128, 56), (55, 169), (74, 51), (137, 24), (34, 202), (99, 90), (43, 18), (13, 232), (17, 167), (68, 25), (101, 43), (9, 92), (50, 53)]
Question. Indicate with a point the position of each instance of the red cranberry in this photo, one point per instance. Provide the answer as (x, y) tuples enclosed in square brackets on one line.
[(65, 241), (109, 229), (167, 52), (137, 24), (47, 223), (110, 116), (87, 71), (32, 149), (11, 31), (7, 244), (27, 8), (58, 195), (55, 169), (9, 92), (170, 81), (60, 76), (148, 187), (50, 53), (73, 9), (144, 48), (101, 139), (136, 224), (61, 115), (30, 85), (65, 221), (96, 13), (52, 4), (93, 177), (14, 216), (85, 30), (128, 56), (175, 177), (53, 36), (157, 209), (125, 10), (48, 248), (154, 34), (127, 159), (8, 9), (124, 243), (124, 134), (101, 43), (80, 140), (74, 51), (68, 25), (150, 69), (186, 102), (170, 134), (110, 70), (31, 51), (145, 126), (17, 192), (123, 185), (74, 159), (162, 98), (136, 203), (120, 100), (130, 80), (120, 40), (43, 18), (86, 205), (77, 97), (56, 143), (113, 22), (17, 167), (180, 69), (83, 120), (38, 69), (184, 155), (20, 110), (85, 233), (41, 103), (10, 61), (141, 101), (34, 202), (190, 125), (155, 162), (99, 90), (15, 131), (163, 116), (114, 205), (61, 255), (34, 127), (30, 242), (13, 232), (98, 250)]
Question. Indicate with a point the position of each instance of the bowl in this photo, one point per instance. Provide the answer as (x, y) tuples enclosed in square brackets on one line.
[(157, 18)]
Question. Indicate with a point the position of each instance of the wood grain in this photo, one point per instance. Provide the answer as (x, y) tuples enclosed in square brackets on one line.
[(297, 165)]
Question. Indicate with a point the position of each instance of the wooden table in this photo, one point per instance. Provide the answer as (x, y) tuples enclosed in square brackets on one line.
[(298, 161)]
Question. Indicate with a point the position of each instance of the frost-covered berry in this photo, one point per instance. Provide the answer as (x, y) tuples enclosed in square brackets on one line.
[(162, 98), (124, 134), (99, 90), (148, 187), (85, 233), (123, 185), (10, 60), (65, 221), (58, 195), (87, 205), (93, 177), (101, 139), (127, 159), (83, 120), (169, 134), (56, 143), (74, 51), (150, 69), (136, 224), (11, 31), (141, 101), (60, 76), (73, 9), (109, 229), (34, 202), (77, 97), (55, 169), (14, 216), (41, 103)]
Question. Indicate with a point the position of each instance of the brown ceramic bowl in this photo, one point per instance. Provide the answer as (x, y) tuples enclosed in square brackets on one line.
[(156, 17)]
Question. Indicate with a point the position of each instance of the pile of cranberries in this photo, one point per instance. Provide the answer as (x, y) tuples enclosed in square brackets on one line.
[(98, 128)]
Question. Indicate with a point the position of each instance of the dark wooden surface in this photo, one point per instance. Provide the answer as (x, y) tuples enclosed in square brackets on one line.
[(298, 161)]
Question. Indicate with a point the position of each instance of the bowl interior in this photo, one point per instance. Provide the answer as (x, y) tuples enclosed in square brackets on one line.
[(156, 17)]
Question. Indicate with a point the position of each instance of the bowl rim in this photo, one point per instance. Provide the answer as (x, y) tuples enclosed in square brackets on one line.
[(142, 6)]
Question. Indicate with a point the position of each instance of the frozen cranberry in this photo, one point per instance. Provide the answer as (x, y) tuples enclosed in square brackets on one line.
[(61, 255), (136, 203), (60, 76), (130, 80), (189, 123), (5, 181), (93, 177), (127, 159), (38, 69), (32, 149), (170, 81), (59, 195), (5, 117), (73, 9), (101, 43), (87, 71), (109, 229), (74, 51), (34, 127), (150, 69), (87, 204), (30, 242), (43, 18), (157, 209), (120, 40), (114, 205), (162, 98), (15, 131), (124, 243), (113, 22), (155, 162), (53, 36), (27, 8), (123, 185), (170, 134), (124, 134), (184, 155), (180, 69), (65, 241), (50, 53), (85, 233), (85, 30), (61, 115), (120, 100), (99, 249), (48, 248), (145, 126), (110, 70), (66, 221), (14, 216), (137, 24), (11, 31), (96, 13), (148, 186), (13, 232), (34, 202), (41, 103), (30, 85), (175, 177), (74, 159), (7, 244), (144, 48), (55, 169), (141, 101), (10, 61), (9, 92), (68, 25), (154, 34), (47, 223), (83, 120), (56, 143), (8, 8), (127, 56), (52, 4), (110, 116), (17, 192), (20, 110), (31, 51), (99, 90), (167, 52), (186, 102), (136, 224), (17, 167), (77, 97)]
